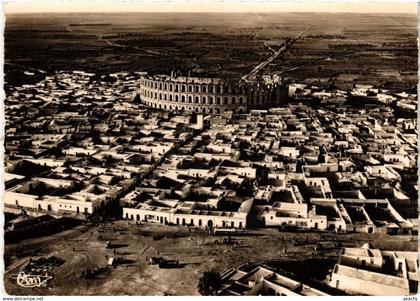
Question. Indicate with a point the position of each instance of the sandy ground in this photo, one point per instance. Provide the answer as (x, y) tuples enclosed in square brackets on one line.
[(196, 253)]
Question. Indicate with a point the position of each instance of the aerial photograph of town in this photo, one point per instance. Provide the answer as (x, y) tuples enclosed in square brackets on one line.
[(244, 152)]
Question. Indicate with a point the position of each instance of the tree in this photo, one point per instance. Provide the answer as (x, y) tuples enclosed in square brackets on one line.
[(209, 284)]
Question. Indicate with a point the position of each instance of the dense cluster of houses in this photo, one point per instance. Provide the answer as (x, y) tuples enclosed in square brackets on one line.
[(359, 94), (358, 271), (77, 142), (337, 169)]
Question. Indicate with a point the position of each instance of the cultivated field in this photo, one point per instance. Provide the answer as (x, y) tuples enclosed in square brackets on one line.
[(338, 49)]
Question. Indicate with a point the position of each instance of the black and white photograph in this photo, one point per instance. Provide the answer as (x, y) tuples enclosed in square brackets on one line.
[(210, 148)]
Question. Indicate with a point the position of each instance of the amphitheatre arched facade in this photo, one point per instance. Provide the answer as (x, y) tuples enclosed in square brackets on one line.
[(209, 95)]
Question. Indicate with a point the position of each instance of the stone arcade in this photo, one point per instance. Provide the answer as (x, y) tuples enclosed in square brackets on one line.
[(210, 95)]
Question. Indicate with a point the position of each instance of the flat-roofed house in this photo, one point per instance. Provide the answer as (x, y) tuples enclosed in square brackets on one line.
[(263, 281)]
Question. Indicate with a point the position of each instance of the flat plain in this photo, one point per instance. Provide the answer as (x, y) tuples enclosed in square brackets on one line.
[(339, 49)]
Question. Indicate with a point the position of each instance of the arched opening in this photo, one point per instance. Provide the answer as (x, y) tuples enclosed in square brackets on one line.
[(138, 217), (210, 223), (370, 230), (49, 208)]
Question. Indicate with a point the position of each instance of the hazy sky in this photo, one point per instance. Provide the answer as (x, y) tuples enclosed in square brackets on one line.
[(23, 6)]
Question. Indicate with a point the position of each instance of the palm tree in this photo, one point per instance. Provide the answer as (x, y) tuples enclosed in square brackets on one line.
[(210, 283)]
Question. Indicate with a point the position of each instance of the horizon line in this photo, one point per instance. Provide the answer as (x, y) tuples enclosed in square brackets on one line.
[(207, 12), (409, 7)]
